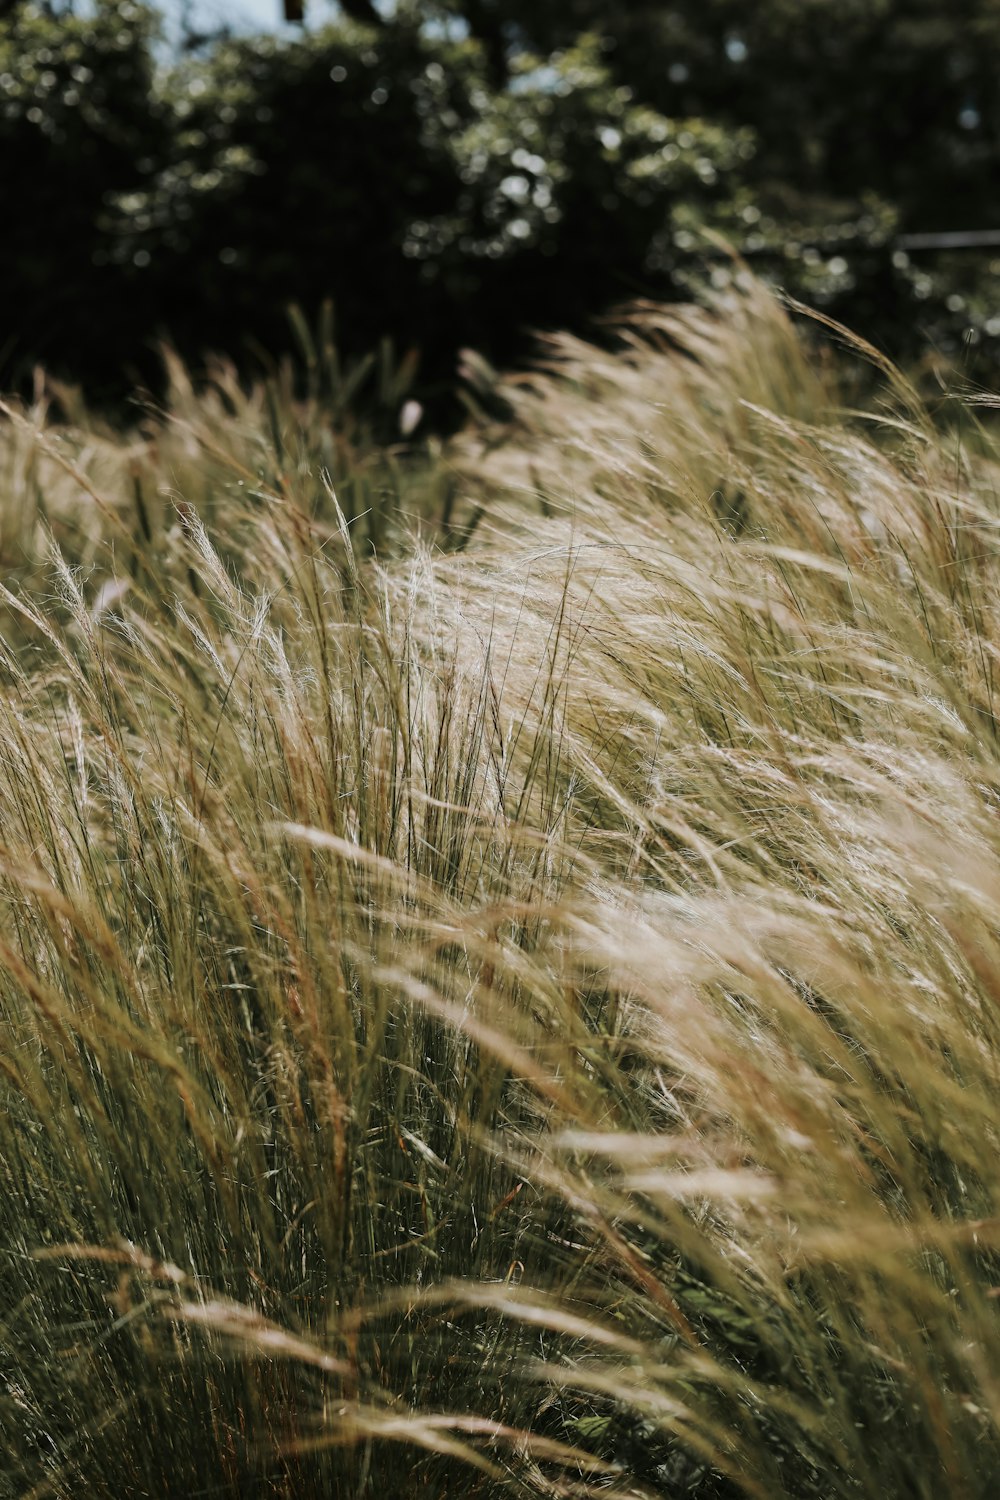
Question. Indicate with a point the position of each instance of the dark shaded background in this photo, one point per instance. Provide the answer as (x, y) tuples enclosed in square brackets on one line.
[(470, 170)]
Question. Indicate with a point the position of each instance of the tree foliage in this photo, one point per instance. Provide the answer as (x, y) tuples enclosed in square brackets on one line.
[(872, 119), (79, 120), (449, 187)]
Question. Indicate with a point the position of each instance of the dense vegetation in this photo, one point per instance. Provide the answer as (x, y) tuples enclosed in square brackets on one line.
[(498, 944), (449, 188)]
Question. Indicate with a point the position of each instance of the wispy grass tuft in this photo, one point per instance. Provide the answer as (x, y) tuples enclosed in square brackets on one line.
[(506, 1004)]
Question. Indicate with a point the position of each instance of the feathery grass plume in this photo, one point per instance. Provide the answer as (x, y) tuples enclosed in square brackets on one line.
[(516, 1023)]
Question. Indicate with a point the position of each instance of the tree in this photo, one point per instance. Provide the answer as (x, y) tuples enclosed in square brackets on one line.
[(448, 189), (79, 120), (381, 168), (871, 117)]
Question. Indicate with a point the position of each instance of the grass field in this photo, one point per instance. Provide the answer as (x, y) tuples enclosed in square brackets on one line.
[(500, 942)]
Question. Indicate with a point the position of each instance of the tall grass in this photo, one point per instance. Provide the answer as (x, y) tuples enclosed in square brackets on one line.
[(517, 1023)]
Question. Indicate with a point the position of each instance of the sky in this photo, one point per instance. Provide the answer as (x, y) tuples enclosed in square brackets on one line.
[(263, 15), (242, 15), (245, 15)]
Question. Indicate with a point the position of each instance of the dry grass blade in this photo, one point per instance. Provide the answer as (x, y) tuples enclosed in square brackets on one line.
[(537, 1010)]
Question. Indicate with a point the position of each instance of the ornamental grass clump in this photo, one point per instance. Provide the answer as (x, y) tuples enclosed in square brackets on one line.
[(521, 1022)]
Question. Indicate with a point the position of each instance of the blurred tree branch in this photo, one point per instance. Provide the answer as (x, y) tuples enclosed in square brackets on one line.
[(295, 10), (362, 10)]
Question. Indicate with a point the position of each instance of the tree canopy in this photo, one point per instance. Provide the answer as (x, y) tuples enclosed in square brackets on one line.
[(464, 184)]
